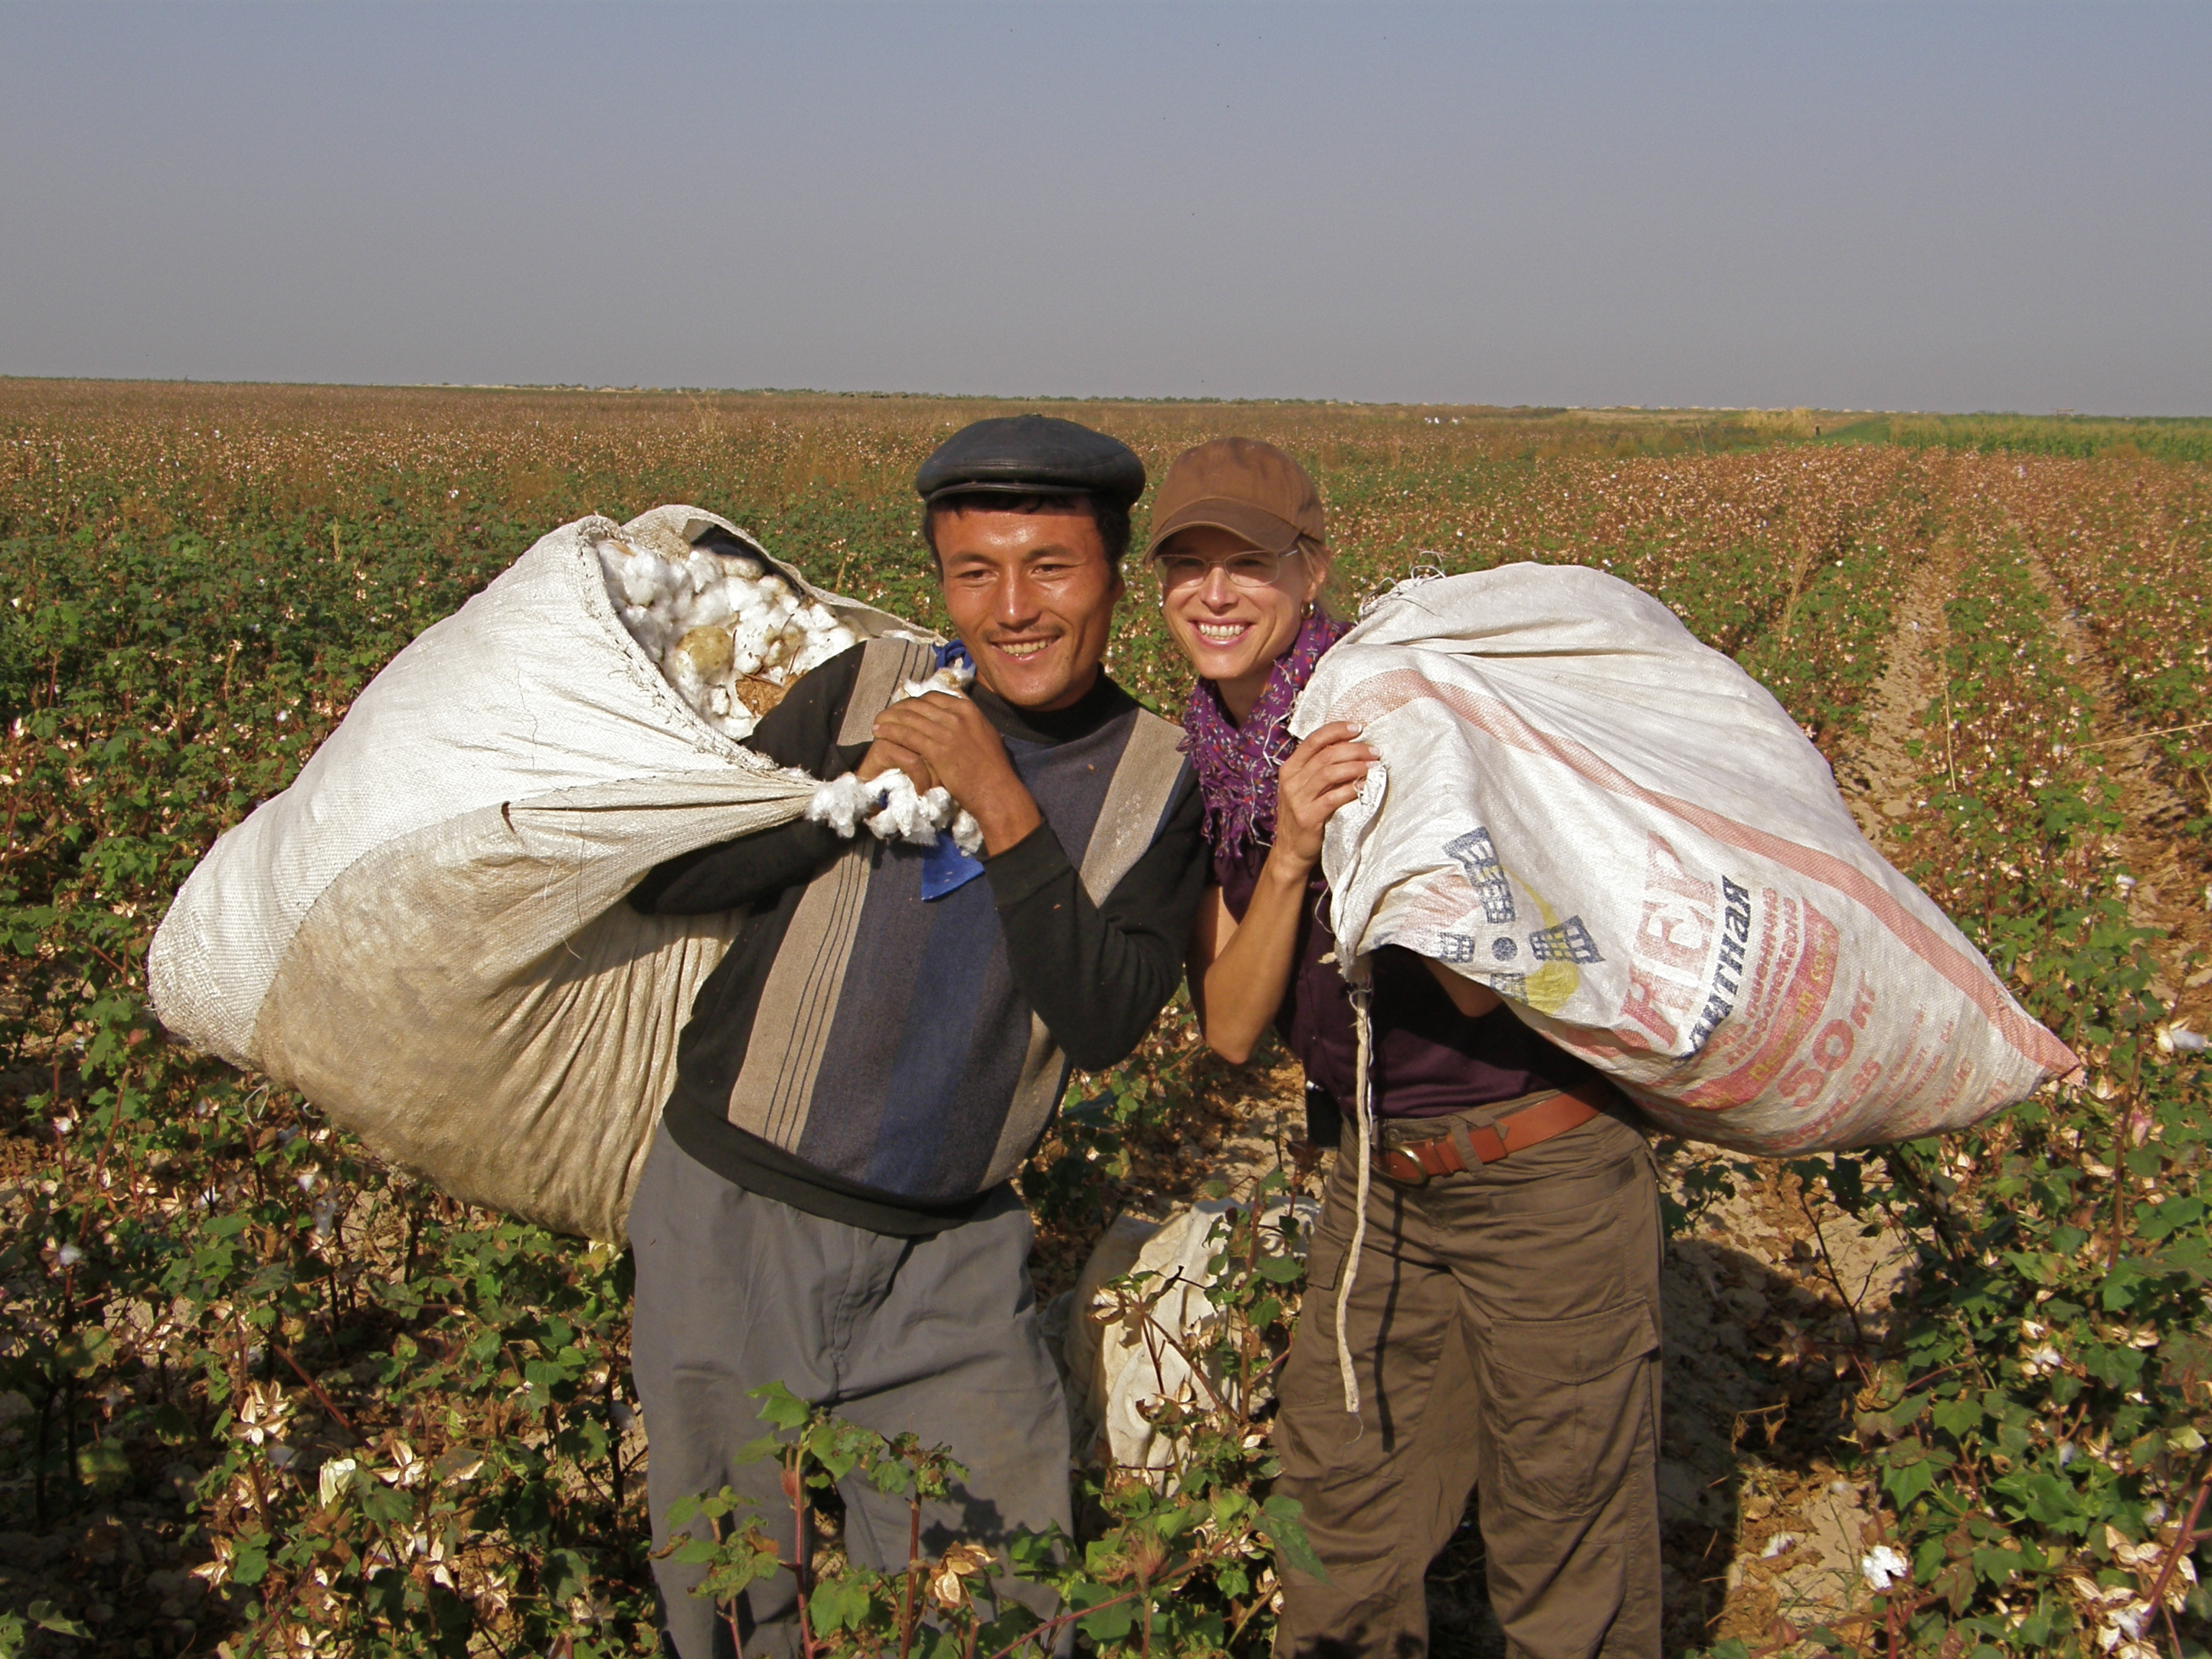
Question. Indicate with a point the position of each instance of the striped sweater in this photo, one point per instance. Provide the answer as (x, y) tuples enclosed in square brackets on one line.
[(885, 1059)]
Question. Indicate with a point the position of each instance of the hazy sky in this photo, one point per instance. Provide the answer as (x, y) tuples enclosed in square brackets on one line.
[(1915, 206)]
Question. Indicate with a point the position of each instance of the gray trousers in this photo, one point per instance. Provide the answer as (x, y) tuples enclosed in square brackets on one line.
[(938, 1335), (1505, 1329)]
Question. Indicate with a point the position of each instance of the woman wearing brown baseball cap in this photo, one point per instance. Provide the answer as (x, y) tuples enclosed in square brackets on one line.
[(1502, 1319)]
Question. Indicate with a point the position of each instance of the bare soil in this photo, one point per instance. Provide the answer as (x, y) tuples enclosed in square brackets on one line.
[(2172, 874)]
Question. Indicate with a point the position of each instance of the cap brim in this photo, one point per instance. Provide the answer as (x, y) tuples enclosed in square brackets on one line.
[(1254, 524), (1008, 487)]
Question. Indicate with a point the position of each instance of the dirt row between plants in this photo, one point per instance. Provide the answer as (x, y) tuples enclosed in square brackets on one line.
[(1788, 1525), (2173, 890), (1775, 1295)]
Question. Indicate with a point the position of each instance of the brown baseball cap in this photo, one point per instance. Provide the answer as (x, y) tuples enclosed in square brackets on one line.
[(1249, 488)]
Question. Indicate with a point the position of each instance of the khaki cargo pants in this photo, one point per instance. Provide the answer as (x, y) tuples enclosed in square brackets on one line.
[(1505, 1327)]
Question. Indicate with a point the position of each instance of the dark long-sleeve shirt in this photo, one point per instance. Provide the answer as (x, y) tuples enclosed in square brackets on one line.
[(906, 1109)]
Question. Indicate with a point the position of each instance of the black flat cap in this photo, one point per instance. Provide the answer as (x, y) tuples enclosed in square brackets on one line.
[(1032, 455)]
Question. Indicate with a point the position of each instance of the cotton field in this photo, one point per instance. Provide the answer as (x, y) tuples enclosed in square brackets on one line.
[(258, 1390)]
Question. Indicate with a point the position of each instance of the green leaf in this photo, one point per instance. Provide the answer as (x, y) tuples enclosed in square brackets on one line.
[(2118, 1293), (1109, 1624), (43, 1614), (250, 1566), (780, 1407), (562, 1575), (105, 1465), (1955, 1417), (1911, 1468), (2049, 1500), (85, 1351), (767, 1448), (1282, 1523), (836, 1604)]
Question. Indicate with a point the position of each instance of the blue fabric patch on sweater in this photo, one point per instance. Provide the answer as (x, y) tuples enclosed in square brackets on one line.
[(944, 867)]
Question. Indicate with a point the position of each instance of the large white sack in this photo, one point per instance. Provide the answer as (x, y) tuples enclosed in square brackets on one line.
[(423, 933), (1622, 833)]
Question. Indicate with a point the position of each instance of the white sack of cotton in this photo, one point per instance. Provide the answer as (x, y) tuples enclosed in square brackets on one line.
[(423, 933)]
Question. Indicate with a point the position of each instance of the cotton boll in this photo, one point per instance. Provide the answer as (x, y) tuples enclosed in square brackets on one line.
[(646, 579), (648, 629), (841, 802), (703, 569), (615, 565), (710, 607), (614, 560), (817, 651), (892, 808), (952, 679), (729, 634), (709, 653), (905, 814), (689, 683)]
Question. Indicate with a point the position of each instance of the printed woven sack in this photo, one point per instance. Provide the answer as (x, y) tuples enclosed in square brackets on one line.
[(423, 933), (1620, 832)]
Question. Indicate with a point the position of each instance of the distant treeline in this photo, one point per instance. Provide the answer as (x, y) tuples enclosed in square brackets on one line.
[(2083, 436)]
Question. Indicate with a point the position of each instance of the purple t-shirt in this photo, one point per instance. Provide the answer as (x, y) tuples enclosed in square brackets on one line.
[(1429, 1058)]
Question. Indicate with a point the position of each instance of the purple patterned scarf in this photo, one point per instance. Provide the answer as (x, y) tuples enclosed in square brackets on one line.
[(1236, 764)]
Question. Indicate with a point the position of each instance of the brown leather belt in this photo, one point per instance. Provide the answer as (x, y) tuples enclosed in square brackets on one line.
[(1419, 1162)]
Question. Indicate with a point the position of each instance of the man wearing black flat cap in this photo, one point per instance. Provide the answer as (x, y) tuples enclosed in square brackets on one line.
[(826, 1205)]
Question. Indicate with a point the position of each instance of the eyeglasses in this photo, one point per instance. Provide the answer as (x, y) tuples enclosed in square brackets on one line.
[(1251, 569)]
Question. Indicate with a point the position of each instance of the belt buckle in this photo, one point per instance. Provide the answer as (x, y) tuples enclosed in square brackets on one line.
[(1418, 1178)]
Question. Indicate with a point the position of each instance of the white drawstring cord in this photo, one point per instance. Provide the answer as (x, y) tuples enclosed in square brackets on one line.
[(1363, 1112)]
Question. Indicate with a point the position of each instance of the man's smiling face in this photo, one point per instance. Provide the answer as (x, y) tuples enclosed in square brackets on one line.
[(1032, 595)]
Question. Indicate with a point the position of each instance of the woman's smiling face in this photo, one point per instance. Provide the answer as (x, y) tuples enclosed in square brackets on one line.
[(1229, 614)]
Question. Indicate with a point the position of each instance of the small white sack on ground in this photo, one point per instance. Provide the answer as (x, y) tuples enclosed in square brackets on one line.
[(423, 934), (1623, 834), (1120, 1368)]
